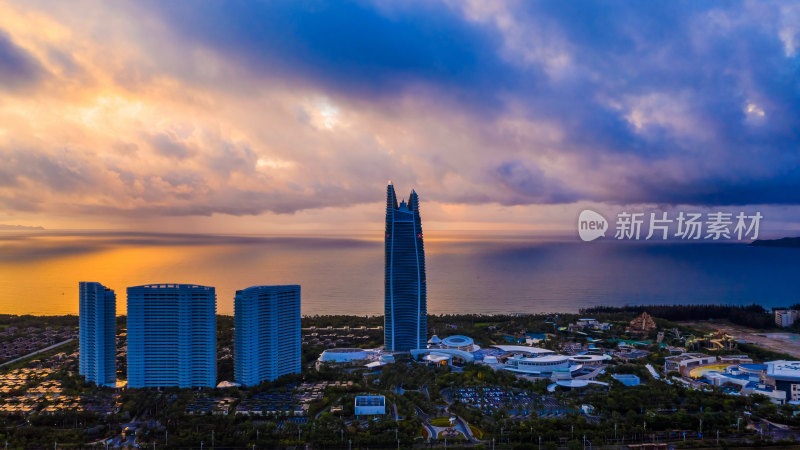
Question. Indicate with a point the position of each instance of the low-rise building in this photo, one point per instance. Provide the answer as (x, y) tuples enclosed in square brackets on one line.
[(745, 379), (590, 324), (368, 405), (785, 376), (685, 362), (774, 395), (352, 358), (534, 338), (541, 365), (590, 359), (735, 359)]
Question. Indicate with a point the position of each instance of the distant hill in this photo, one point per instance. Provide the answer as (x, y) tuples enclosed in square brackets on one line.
[(793, 242), (4, 227)]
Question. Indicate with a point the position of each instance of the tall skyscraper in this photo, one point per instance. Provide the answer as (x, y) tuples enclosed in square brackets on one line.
[(172, 336), (267, 333), (97, 315), (406, 310)]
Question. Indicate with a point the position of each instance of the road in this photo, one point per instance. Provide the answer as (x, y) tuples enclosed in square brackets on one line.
[(591, 375), (464, 428), (38, 351), (426, 422)]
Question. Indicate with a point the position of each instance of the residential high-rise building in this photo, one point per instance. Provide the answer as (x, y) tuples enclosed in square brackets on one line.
[(172, 336), (405, 303), (267, 333), (786, 317), (97, 315)]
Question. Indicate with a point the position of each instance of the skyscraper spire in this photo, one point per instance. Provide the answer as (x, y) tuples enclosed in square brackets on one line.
[(413, 200), (391, 197)]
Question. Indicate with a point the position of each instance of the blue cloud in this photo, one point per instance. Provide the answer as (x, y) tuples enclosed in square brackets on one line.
[(18, 68), (347, 46), (651, 103), (709, 59)]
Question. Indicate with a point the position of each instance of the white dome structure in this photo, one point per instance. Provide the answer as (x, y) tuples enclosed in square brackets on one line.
[(539, 365), (459, 342)]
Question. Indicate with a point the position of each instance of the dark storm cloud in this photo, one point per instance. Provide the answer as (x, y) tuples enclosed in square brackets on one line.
[(352, 47), (528, 185), (168, 146), (64, 171), (18, 68), (704, 61)]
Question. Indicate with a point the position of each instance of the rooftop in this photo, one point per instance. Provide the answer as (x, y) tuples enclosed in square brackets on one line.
[(457, 340), (522, 349), (784, 369), (370, 400)]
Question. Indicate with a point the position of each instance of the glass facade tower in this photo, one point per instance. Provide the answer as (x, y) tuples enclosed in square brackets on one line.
[(172, 336), (405, 302), (97, 316), (267, 333)]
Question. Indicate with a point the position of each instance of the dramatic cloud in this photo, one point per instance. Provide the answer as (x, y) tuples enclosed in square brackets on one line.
[(17, 67), (154, 109)]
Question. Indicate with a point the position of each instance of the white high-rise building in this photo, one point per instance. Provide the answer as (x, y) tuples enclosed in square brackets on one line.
[(786, 317)]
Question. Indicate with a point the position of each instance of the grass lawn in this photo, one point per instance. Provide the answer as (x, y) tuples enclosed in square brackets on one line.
[(441, 421), (477, 432)]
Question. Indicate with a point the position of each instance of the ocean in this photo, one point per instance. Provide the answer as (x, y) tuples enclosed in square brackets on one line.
[(482, 274)]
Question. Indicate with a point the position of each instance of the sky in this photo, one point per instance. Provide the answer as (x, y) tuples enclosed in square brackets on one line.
[(290, 117)]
